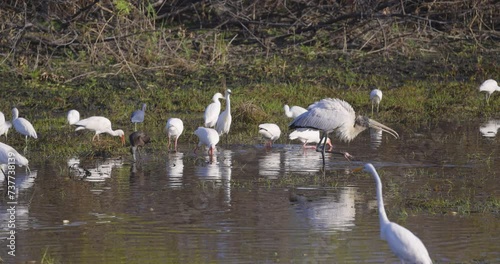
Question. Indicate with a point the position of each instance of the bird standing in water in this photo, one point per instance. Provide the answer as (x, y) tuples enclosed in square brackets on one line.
[(138, 139)]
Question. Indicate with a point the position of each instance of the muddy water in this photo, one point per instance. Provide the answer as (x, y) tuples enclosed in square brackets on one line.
[(252, 205)]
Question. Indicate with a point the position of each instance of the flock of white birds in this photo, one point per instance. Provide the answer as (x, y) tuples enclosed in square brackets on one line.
[(325, 116)]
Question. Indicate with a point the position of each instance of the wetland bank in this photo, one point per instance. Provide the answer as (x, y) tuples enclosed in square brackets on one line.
[(106, 58)]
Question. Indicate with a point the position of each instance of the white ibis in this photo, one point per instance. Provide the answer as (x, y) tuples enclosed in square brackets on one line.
[(224, 121), (271, 132), (375, 97), (207, 137), (306, 135), (489, 86), (73, 116), (138, 139), (335, 115), (403, 243), (23, 126), (100, 125), (138, 116), (4, 125), (174, 129), (294, 111), (213, 110)]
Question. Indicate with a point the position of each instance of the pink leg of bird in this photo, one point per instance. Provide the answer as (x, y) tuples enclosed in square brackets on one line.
[(175, 144), (168, 145), (211, 151)]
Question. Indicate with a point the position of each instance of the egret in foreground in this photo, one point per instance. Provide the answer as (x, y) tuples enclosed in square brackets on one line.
[(489, 86), (271, 132), (23, 126), (174, 130), (100, 125), (138, 139), (207, 137), (8, 155), (224, 121), (138, 116), (294, 111), (73, 116), (4, 125), (375, 97), (213, 110), (403, 243), (306, 135), (335, 115)]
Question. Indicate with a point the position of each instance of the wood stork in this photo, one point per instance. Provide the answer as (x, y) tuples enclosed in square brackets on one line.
[(403, 243), (207, 137), (73, 116), (23, 126), (375, 97), (271, 132), (174, 129), (335, 115), (224, 121), (294, 111), (100, 125), (138, 116), (306, 135), (138, 139), (489, 86), (212, 111)]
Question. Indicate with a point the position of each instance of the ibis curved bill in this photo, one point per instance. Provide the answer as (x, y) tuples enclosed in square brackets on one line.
[(271, 132), (100, 125), (138, 139), (174, 129), (212, 111), (489, 86), (403, 243), (375, 97), (294, 111), (207, 137), (138, 116)]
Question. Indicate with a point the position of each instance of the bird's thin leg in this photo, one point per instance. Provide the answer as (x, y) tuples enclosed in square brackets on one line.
[(168, 145), (195, 149), (372, 108), (378, 105), (133, 153), (135, 127), (323, 137), (175, 144)]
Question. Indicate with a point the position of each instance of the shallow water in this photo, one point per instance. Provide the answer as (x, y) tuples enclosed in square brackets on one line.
[(253, 205)]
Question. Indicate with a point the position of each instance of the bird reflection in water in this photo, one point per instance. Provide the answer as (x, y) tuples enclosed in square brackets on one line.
[(98, 173), (375, 138), (490, 128), (175, 170)]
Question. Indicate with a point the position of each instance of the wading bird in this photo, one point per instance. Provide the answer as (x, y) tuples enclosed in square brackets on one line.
[(213, 110), (306, 135), (403, 243), (207, 137), (100, 125), (375, 97), (137, 139), (174, 129), (4, 125), (224, 121), (271, 132), (73, 116), (8, 155), (23, 126), (489, 86), (294, 111), (335, 115), (138, 116)]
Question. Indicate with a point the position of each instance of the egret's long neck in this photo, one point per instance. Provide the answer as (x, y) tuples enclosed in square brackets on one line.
[(228, 107), (287, 111), (380, 202), (15, 114), (113, 132)]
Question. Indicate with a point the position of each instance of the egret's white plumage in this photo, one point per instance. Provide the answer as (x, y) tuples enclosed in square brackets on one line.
[(138, 139), (23, 126), (174, 129), (100, 125), (271, 132), (4, 125), (138, 116), (306, 135), (7, 152), (207, 137), (375, 97), (224, 121), (489, 86), (294, 111), (73, 116), (335, 115), (403, 243), (213, 110)]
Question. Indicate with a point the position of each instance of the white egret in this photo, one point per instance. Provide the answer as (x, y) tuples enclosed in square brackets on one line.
[(224, 121), (100, 125), (73, 116), (4, 125), (271, 132), (403, 243), (489, 86), (375, 97), (294, 111), (9, 155), (138, 139), (138, 116), (213, 110), (335, 115), (306, 135), (23, 126), (208, 137), (174, 129)]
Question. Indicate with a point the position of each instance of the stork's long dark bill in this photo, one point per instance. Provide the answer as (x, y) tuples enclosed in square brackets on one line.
[(377, 125)]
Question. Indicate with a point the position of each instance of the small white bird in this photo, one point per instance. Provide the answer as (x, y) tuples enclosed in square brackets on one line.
[(73, 116), (138, 116), (4, 125), (100, 125), (403, 243), (375, 97), (489, 86), (294, 111), (23, 126), (213, 110), (271, 132), (224, 121), (174, 129), (9, 155), (207, 137), (306, 135)]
